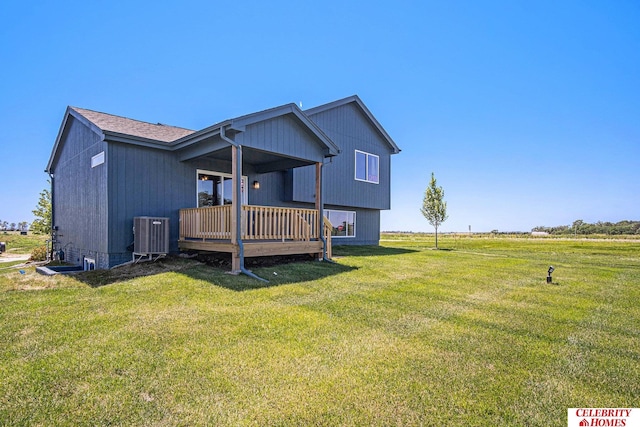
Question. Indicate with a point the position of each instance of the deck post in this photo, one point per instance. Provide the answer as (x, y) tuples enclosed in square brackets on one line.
[(237, 260), (319, 205)]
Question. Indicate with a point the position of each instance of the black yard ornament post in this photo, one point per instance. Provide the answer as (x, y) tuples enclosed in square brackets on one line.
[(549, 279)]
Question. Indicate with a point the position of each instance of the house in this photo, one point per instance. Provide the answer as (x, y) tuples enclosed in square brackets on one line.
[(304, 179)]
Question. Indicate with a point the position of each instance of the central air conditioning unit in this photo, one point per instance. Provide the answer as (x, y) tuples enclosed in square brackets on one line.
[(150, 236)]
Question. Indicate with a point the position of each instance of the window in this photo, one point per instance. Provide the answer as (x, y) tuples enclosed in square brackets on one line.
[(216, 188), (367, 167), (344, 223)]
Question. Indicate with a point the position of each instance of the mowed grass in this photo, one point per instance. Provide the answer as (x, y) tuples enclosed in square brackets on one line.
[(394, 335), (15, 243)]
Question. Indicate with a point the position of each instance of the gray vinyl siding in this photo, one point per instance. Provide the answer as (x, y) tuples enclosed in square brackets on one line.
[(272, 191), (145, 182), (79, 193), (350, 130), (282, 135)]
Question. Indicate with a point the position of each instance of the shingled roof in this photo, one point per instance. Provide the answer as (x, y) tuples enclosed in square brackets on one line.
[(122, 125)]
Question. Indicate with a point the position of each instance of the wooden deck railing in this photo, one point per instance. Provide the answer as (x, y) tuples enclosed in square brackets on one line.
[(213, 222), (327, 236), (258, 223), (276, 223)]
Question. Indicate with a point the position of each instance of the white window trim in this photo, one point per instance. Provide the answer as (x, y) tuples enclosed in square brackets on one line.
[(355, 222), (366, 166), (245, 183)]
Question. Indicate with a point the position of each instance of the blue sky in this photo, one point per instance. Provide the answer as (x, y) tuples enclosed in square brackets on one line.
[(528, 113)]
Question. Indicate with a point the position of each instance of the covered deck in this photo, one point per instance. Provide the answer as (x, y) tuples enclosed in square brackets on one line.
[(270, 141), (265, 231)]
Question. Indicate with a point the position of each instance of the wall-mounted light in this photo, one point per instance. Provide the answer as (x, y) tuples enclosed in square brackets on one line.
[(256, 185)]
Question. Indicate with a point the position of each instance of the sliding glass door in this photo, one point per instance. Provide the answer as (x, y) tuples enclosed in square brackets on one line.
[(216, 188)]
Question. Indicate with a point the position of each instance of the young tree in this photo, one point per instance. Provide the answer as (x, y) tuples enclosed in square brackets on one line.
[(576, 225), (434, 208), (42, 212)]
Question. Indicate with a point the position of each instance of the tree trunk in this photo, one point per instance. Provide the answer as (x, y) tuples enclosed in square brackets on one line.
[(436, 237)]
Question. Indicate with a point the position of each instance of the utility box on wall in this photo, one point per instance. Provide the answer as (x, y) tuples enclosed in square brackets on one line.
[(150, 236)]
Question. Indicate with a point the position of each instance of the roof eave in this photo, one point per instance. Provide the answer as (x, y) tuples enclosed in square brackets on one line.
[(135, 140), (198, 135)]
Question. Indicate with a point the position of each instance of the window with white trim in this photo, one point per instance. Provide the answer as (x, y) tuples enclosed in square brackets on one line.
[(367, 167), (343, 222), (216, 188)]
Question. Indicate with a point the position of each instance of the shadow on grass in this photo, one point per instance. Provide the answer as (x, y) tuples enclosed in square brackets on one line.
[(347, 250), (98, 278), (277, 274), (281, 273)]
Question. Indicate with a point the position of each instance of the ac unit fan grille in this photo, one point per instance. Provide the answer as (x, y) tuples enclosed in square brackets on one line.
[(151, 235)]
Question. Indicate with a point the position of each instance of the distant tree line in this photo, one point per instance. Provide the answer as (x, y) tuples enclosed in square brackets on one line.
[(21, 226), (581, 227)]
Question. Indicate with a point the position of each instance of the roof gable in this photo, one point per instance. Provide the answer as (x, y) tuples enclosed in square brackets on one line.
[(239, 124), (209, 140), (363, 108), (294, 111)]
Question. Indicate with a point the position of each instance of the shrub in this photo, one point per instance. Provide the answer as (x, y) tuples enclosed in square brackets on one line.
[(39, 253)]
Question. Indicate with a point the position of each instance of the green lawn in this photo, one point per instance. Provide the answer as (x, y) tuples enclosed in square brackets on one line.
[(19, 244), (396, 335)]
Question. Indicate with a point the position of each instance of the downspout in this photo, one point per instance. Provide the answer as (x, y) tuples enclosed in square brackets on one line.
[(238, 208), (51, 177)]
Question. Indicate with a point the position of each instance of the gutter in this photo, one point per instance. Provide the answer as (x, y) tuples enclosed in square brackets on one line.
[(238, 205), (136, 140)]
